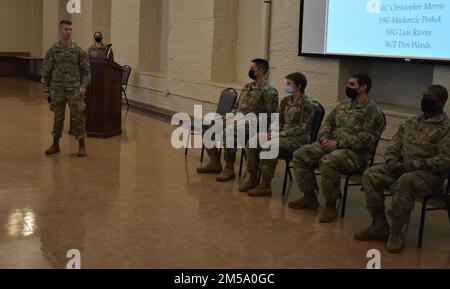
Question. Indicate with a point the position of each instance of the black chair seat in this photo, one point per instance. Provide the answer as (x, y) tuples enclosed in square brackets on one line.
[(285, 155), (227, 101), (356, 178)]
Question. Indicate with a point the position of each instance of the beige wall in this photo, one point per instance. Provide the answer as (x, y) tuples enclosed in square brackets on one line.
[(53, 12), (153, 37), (15, 25), (36, 7), (125, 31), (21, 23), (322, 74), (250, 42), (225, 50), (83, 25), (101, 19)]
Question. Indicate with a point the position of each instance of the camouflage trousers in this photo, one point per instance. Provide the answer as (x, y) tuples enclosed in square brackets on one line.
[(268, 166), (77, 106), (404, 187), (331, 165), (229, 154)]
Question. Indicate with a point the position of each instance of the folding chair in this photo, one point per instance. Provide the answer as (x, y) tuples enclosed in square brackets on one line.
[(126, 71), (443, 197), (226, 103)]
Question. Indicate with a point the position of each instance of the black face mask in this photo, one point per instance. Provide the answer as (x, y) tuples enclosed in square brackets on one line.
[(430, 107), (352, 93), (251, 74), (98, 39)]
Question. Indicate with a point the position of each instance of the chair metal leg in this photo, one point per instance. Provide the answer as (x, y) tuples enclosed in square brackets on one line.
[(289, 172), (286, 173), (241, 162), (187, 145), (203, 153), (126, 98), (344, 197), (422, 222)]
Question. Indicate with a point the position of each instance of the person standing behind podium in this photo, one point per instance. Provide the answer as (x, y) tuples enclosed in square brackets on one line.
[(99, 49), (66, 74)]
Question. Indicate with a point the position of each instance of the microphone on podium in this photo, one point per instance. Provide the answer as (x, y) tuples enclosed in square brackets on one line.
[(109, 50)]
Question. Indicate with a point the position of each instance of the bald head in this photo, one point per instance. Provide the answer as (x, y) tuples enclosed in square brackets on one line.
[(434, 100), (439, 92)]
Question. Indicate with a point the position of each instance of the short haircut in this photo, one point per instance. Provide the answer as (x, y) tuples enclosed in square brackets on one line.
[(66, 22), (364, 79), (299, 79), (98, 32), (439, 90), (261, 64)]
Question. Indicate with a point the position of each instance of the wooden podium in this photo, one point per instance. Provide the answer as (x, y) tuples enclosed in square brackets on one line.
[(104, 99)]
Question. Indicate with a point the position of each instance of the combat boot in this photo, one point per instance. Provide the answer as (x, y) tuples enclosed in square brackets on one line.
[(309, 201), (213, 167), (82, 148), (227, 174), (378, 230), (330, 213), (263, 189), (54, 149), (249, 184), (397, 234)]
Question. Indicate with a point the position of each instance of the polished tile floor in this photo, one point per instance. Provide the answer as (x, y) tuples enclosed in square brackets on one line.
[(136, 202)]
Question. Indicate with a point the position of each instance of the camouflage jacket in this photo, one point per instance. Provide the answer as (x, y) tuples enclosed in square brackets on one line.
[(356, 126), (255, 99), (425, 142), (296, 118), (66, 67), (93, 51)]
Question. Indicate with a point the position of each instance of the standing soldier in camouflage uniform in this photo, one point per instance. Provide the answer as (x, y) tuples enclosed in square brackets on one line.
[(256, 97), (99, 49), (417, 162), (296, 117), (66, 74), (345, 144)]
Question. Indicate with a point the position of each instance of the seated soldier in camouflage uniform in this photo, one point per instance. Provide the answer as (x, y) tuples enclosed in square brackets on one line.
[(256, 97), (296, 116), (66, 73), (417, 162), (99, 49), (345, 144)]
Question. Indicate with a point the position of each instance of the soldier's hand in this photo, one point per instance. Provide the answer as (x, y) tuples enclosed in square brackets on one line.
[(392, 165), (82, 91), (330, 146), (406, 167), (324, 143)]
